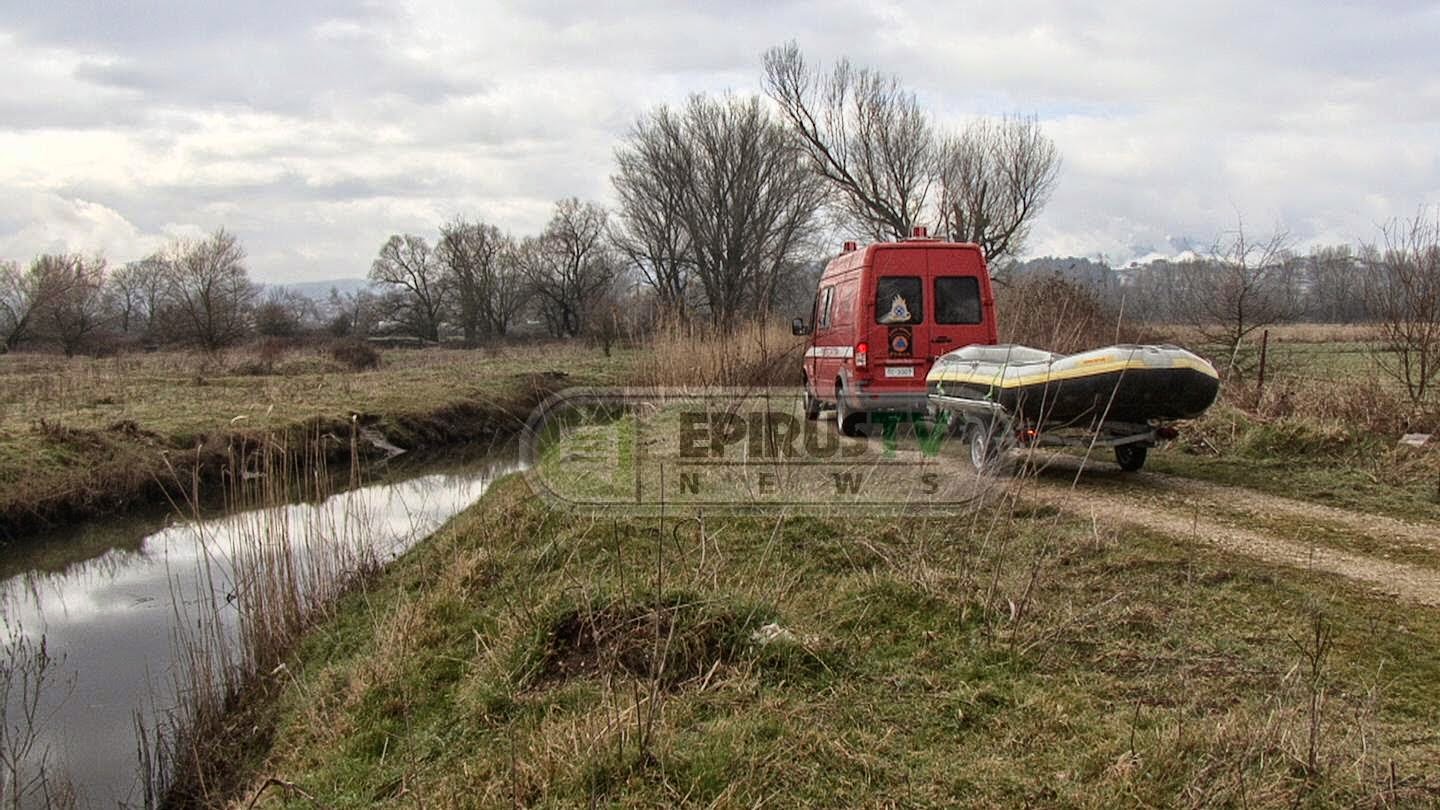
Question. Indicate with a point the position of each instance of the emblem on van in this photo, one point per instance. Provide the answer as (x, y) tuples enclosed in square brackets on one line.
[(901, 340), (899, 311)]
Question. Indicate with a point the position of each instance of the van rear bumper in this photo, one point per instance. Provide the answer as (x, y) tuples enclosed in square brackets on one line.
[(907, 401)]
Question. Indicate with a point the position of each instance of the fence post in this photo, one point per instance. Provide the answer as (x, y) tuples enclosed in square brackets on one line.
[(1260, 377)]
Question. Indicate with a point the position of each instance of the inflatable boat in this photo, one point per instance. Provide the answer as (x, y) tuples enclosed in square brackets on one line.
[(1135, 384)]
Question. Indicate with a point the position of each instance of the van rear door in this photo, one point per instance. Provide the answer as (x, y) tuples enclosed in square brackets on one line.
[(958, 291), (899, 316)]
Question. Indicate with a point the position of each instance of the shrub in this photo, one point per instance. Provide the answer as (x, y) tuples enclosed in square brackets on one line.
[(1050, 313), (356, 354)]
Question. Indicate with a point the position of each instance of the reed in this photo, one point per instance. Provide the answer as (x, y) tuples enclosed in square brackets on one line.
[(29, 776), (276, 571), (753, 354)]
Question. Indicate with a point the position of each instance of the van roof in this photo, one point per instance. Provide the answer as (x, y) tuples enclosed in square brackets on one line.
[(856, 258)]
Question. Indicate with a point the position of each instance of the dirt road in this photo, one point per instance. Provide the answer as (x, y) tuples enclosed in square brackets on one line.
[(1361, 547)]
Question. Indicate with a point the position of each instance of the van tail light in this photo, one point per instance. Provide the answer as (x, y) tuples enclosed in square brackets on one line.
[(862, 354), (1166, 432)]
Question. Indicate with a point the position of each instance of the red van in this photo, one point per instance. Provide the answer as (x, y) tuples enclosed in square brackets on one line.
[(882, 315)]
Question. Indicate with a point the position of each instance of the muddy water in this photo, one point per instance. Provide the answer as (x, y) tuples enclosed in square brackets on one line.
[(112, 617)]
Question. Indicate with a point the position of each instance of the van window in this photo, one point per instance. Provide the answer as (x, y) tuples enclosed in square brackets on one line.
[(827, 296), (957, 299), (844, 304), (899, 299)]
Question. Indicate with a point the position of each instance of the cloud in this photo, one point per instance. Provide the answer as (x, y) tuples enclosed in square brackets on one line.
[(39, 222), (313, 130)]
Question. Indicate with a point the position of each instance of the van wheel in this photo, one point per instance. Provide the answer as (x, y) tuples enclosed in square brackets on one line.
[(846, 420), (812, 404), (1131, 457)]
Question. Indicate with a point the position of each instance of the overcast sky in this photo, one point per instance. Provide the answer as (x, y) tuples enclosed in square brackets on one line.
[(314, 130)]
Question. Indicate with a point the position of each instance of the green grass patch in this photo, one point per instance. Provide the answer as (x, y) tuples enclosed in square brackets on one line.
[(545, 658)]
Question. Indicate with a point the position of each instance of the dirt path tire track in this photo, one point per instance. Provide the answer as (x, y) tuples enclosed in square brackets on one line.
[(1110, 505)]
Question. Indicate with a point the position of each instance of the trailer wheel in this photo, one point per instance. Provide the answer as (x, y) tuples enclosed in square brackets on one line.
[(1131, 457), (846, 420), (984, 447)]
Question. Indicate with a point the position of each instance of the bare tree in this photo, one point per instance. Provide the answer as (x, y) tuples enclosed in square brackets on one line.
[(19, 295), (570, 265), (864, 134), (1403, 294), (1238, 290), (351, 314), (511, 292), (651, 235), (481, 270), (407, 265), (137, 291), (71, 299), (284, 313), (1335, 285), (209, 295), (737, 186), (891, 168), (994, 177)]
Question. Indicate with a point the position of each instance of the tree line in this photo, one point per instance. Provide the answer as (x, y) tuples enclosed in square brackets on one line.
[(1244, 282), (195, 292)]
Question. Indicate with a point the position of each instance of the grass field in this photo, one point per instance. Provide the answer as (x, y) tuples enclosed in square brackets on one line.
[(1018, 655), (82, 435), (1325, 426), (529, 657)]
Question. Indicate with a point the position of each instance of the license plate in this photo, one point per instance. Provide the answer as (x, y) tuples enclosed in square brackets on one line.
[(900, 371)]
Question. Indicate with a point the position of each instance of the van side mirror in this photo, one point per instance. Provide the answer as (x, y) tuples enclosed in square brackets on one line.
[(798, 327)]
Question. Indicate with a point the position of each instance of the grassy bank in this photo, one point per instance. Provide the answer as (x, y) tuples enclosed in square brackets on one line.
[(83, 436), (1324, 427), (532, 657)]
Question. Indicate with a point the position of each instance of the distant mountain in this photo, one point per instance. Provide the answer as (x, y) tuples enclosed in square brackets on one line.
[(320, 290)]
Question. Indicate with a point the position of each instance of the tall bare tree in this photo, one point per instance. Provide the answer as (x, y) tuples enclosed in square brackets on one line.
[(408, 266), (480, 268), (736, 184), (650, 234), (570, 265), (864, 133), (892, 169), (994, 177), (19, 295), (511, 292), (71, 299), (1238, 290), (137, 292), (209, 295), (1403, 294)]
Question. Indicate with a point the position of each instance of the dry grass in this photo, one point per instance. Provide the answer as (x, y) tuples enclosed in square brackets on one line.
[(1284, 333), (84, 436), (188, 394), (1031, 660), (753, 355)]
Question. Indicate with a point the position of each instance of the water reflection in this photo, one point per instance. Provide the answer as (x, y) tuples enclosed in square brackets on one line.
[(113, 617)]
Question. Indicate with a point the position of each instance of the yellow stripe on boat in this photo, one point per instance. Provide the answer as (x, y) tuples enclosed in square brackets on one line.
[(1103, 365)]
